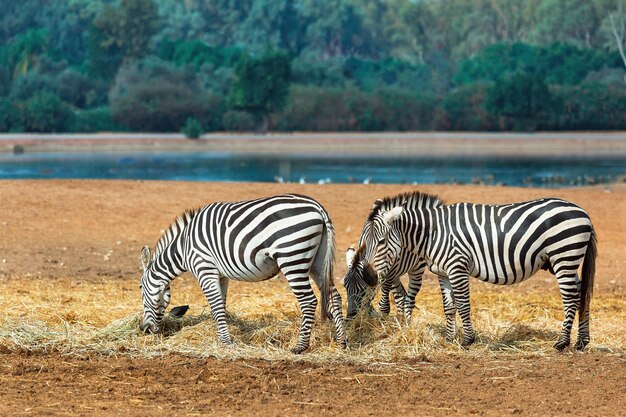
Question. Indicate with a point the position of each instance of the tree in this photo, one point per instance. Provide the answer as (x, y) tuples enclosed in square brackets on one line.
[(45, 112), (522, 99), (261, 85), (128, 28)]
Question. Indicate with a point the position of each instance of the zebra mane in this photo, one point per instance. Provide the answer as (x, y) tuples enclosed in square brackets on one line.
[(174, 229), (413, 199)]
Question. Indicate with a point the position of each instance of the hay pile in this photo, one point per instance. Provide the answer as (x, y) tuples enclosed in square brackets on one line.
[(74, 317)]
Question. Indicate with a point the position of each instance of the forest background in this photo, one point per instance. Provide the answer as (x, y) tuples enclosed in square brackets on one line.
[(310, 65)]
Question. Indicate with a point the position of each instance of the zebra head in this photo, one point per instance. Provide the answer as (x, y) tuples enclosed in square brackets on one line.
[(385, 239), (155, 294), (359, 278)]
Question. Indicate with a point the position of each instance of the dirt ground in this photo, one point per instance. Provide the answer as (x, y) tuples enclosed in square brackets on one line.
[(90, 232)]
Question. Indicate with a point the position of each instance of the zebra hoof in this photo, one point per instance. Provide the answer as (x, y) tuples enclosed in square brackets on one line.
[(561, 345), (580, 345), (467, 342), (299, 349)]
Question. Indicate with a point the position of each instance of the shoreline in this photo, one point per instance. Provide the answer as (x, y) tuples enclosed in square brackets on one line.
[(436, 144)]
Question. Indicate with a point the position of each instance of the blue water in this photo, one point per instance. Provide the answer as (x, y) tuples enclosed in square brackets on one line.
[(207, 166)]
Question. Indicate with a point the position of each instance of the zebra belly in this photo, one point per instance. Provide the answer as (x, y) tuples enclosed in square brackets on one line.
[(263, 269)]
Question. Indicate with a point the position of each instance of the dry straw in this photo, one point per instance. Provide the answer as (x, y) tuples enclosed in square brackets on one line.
[(70, 317)]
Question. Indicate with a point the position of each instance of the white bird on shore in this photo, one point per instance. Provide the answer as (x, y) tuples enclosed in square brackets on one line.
[(279, 179), (302, 180), (367, 180), (324, 181)]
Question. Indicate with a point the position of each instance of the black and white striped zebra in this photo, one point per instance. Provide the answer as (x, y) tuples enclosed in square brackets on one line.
[(500, 244), (247, 241), (360, 280)]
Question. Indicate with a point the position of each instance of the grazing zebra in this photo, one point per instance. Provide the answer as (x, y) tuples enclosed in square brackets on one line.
[(360, 276), (247, 241), (500, 244)]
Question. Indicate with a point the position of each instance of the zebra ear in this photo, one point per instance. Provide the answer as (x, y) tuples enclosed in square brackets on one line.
[(377, 203), (145, 257), (393, 214), (350, 253)]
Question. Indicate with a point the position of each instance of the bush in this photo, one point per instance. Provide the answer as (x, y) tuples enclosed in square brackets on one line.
[(95, 120), (45, 112), (192, 128), (238, 121)]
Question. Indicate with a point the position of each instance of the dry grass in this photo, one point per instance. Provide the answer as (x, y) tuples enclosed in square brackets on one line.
[(74, 317)]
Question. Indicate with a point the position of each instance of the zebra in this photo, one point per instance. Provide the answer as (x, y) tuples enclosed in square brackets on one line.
[(359, 277), (501, 244), (246, 241)]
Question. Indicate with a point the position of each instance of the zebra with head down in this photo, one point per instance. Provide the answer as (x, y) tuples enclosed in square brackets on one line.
[(246, 241), (361, 279), (500, 244)]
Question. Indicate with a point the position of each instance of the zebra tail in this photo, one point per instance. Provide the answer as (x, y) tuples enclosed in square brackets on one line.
[(329, 261), (588, 275)]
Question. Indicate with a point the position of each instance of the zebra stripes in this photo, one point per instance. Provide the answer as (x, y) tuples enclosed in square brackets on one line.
[(359, 277), (247, 241), (500, 244)]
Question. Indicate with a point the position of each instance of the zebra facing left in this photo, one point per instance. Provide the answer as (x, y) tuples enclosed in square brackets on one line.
[(500, 244), (246, 241)]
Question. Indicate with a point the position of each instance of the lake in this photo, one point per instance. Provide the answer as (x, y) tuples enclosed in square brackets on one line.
[(211, 166)]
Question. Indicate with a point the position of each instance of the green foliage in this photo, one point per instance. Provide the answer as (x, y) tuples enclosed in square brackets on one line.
[(522, 101), (153, 95), (103, 58), (463, 109), (126, 29), (95, 120), (557, 63), (238, 121), (198, 53), (23, 52), (327, 109), (31, 83), (349, 65), (45, 112), (590, 106), (10, 116), (192, 128), (262, 84)]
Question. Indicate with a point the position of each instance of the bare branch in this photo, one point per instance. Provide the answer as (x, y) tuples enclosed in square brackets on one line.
[(619, 37)]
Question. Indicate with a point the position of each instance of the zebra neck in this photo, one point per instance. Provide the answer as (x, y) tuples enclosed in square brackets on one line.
[(420, 229), (171, 261)]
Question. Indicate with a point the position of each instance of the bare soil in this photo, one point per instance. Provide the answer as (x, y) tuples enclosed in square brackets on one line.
[(90, 232), (584, 385)]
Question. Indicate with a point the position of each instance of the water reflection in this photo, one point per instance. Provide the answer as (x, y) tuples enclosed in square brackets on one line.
[(542, 172)]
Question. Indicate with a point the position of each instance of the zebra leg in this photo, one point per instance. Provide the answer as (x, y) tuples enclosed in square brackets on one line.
[(459, 281), (336, 315), (583, 331), (384, 305), (399, 297), (415, 285), (301, 287), (449, 308), (224, 291), (569, 286), (210, 283)]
